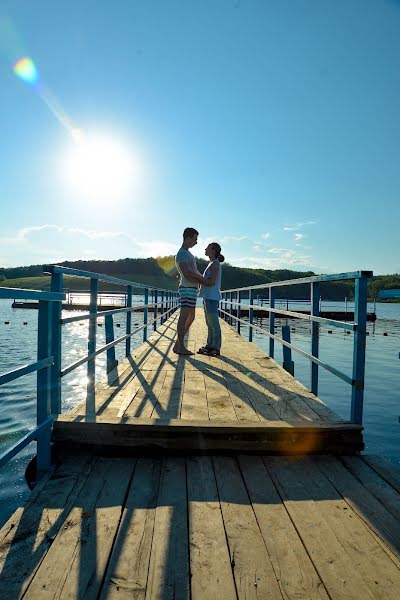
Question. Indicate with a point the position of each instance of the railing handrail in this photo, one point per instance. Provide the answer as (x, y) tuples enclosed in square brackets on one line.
[(20, 293), (299, 281), (102, 277), (48, 363), (43, 365), (358, 326)]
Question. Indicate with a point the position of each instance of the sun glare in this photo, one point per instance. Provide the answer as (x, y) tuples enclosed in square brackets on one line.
[(99, 168)]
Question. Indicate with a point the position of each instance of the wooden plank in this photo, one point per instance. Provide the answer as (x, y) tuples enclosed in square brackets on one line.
[(76, 562), (169, 562), (169, 399), (210, 567), (127, 572), (178, 434), (368, 508), (336, 569), (294, 570), (277, 374), (389, 471), (251, 564), (255, 394), (194, 399), (383, 491), (145, 400), (243, 407), (29, 533), (219, 402)]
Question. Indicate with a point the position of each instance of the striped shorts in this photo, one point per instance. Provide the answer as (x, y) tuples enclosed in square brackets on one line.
[(187, 297)]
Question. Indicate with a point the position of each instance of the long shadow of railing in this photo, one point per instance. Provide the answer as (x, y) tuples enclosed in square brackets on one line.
[(150, 496)]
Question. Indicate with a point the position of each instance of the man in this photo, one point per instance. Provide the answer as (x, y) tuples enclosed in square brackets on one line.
[(188, 284)]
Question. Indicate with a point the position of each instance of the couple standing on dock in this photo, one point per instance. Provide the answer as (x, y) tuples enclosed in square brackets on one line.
[(210, 291)]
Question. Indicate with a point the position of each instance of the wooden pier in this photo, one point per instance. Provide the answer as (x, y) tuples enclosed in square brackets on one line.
[(240, 401), (205, 478)]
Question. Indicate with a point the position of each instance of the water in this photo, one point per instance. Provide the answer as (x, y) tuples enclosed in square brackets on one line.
[(18, 398)]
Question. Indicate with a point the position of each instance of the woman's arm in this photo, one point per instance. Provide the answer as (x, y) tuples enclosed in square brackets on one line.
[(194, 276)]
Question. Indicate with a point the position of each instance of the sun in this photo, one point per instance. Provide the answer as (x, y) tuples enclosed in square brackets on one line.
[(99, 167)]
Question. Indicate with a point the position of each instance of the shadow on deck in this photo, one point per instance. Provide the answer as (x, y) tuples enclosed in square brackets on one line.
[(207, 527), (242, 401)]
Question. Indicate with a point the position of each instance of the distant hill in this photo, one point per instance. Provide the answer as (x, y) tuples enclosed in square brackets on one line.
[(161, 272)]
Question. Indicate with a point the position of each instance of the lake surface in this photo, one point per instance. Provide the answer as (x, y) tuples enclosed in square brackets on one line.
[(382, 384)]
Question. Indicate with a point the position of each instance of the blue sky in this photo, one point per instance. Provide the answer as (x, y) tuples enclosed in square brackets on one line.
[(272, 126)]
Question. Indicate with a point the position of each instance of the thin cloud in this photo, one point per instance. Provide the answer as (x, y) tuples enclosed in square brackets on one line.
[(233, 238), (298, 236), (299, 225)]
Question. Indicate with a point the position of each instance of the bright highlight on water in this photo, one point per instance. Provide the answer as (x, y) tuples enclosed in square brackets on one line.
[(26, 70)]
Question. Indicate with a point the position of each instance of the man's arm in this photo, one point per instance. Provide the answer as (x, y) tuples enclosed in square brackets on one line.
[(194, 276)]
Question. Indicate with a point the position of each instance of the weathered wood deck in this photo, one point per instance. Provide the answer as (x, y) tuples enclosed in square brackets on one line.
[(240, 401), (207, 527), (223, 524)]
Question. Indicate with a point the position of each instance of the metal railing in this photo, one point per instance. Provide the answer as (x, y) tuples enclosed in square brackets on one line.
[(45, 360), (166, 300), (230, 310), (49, 353)]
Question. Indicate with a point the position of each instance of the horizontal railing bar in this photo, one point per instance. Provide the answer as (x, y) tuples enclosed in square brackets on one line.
[(104, 313), (18, 293), (26, 369), (313, 279), (296, 349), (88, 357), (27, 439), (101, 277), (290, 313)]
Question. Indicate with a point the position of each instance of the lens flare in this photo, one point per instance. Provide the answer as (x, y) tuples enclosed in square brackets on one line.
[(26, 70)]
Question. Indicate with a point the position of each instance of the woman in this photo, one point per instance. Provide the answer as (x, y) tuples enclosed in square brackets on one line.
[(211, 295)]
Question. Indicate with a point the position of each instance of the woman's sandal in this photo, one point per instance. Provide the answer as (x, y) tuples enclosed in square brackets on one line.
[(213, 352), (203, 350)]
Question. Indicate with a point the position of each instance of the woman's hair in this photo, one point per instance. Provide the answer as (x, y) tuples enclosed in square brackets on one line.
[(217, 249)]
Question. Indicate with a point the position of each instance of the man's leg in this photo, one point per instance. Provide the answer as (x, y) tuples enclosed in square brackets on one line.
[(183, 316), (190, 318)]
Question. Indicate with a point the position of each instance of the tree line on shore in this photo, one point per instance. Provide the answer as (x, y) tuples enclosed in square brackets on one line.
[(162, 272)]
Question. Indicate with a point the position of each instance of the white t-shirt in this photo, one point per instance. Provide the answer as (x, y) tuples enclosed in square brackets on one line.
[(184, 256)]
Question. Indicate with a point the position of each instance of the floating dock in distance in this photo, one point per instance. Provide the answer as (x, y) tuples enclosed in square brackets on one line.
[(336, 315)]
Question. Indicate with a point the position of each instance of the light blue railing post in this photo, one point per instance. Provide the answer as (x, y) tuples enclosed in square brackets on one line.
[(155, 309), (231, 308), (238, 312), (128, 321), (251, 315), (162, 308), (91, 366), (56, 286), (272, 296), (145, 313), (109, 331), (315, 301), (360, 318), (44, 388), (288, 364)]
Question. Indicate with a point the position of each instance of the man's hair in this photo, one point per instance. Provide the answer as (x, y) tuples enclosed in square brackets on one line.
[(190, 233)]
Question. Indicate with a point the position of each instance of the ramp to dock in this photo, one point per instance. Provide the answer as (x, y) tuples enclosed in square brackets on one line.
[(207, 527), (240, 401)]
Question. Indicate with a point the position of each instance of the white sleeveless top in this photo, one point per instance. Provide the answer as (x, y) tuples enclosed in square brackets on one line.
[(212, 292)]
